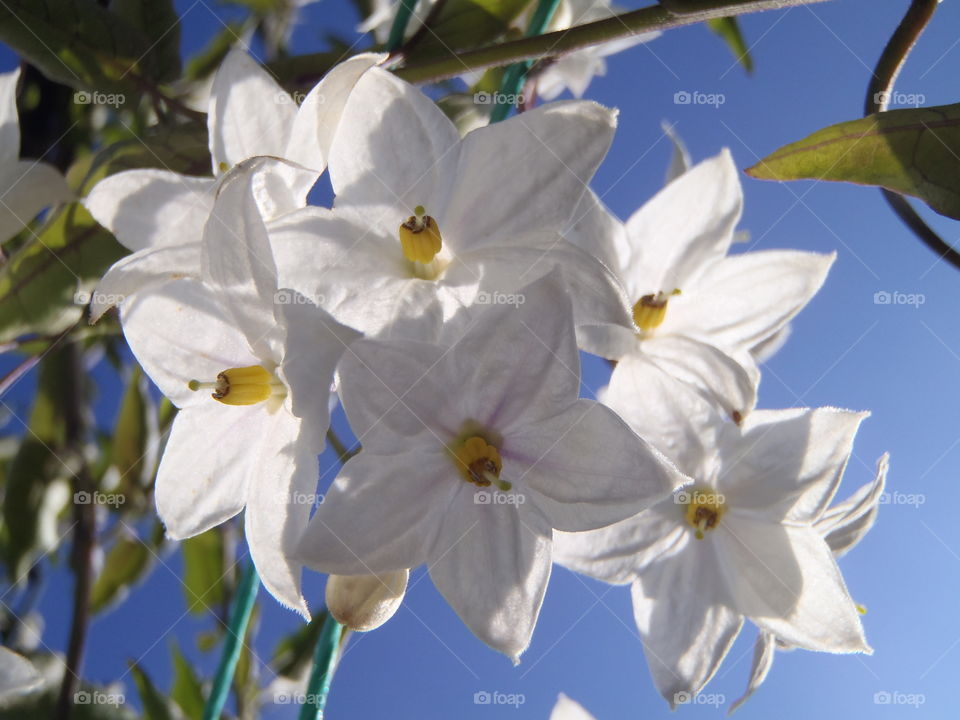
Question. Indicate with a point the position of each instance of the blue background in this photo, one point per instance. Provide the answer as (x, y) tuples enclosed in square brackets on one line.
[(900, 361)]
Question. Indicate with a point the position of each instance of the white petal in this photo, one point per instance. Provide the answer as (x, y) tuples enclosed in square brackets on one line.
[(594, 228), (279, 500), (684, 617), (567, 709), (394, 147), (728, 381), (205, 470), (382, 512), (843, 525), (763, 653), (26, 188), (152, 208), (787, 582), (527, 173), (141, 271), (9, 119), (249, 113), (17, 674), (680, 157), (180, 332), (586, 468), (492, 563), (745, 299), (684, 228), (787, 464), (317, 119)]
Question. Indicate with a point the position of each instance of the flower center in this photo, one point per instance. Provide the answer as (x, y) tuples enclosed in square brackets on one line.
[(705, 507), (650, 310), (480, 463), (421, 241), (242, 386)]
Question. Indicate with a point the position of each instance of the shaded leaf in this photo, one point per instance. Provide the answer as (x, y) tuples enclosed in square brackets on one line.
[(203, 570), (159, 22), (463, 24), (187, 690), (135, 436), (912, 151), (729, 31), (206, 61), (294, 652), (127, 561), (155, 704)]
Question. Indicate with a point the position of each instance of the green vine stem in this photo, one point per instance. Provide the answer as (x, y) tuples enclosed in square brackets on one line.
[(324, 665), (399, 27)]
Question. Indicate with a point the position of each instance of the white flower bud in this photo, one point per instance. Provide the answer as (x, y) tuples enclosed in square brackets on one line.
[(365, 602)]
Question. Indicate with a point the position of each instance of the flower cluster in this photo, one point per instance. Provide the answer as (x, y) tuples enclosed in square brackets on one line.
[(444, 300)]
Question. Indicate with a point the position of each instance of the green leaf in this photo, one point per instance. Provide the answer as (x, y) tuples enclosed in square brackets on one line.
[(79, 43), (127, 561), (729, 30), (203, 570), (135, 435), (159, 22), (913, 151), (155, 703), (206, 61), (294, 653), (187, 690), (463, 24)]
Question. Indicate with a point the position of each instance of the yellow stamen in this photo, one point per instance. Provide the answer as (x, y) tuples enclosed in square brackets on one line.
[(705, 507), (480, 463), (420, 237), (242, 386), (650, 311)]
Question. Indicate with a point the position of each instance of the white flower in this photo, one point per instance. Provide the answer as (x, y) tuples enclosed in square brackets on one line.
[(472, 455), (575, 70), (698, 313), (843, 525), (17, 675), (26, 186), (267, 357), (739, 543), (159, 215), (425, 223), (568, 709)]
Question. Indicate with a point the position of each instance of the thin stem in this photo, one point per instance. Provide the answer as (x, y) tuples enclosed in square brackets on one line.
[(879, 90), (399, 27), (324, 665), (243, 603), (343, 454), (655, 17), (515, 74)]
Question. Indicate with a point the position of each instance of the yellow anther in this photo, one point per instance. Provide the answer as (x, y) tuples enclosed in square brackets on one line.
[(705, 507), (242, 386), (480, 463), (650, 310), (420, 237)]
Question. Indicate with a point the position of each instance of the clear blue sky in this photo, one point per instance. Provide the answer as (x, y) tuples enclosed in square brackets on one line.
[(901, 362)]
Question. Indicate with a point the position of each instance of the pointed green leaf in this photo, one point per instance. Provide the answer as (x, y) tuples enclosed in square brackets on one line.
[(128, 561), (912, 151), (203, 570), (155, 704), (462, 24), (160, 24), (729, 31), (294, 653), (187, 690)]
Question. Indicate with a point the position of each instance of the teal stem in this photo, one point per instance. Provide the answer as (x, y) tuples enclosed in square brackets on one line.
[(399, 27), (514, 75), (324, 664), (243, 602)]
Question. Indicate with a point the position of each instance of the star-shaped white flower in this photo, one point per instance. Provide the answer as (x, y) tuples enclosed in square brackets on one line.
[(569, 709), (250, 368), (843, 525), (699, 314), (159, 215), (472, 455), (18, 676), (26, 186), (741, 542), (425, 223)]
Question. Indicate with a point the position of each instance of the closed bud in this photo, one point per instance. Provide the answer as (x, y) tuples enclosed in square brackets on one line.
[(365, 602)]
